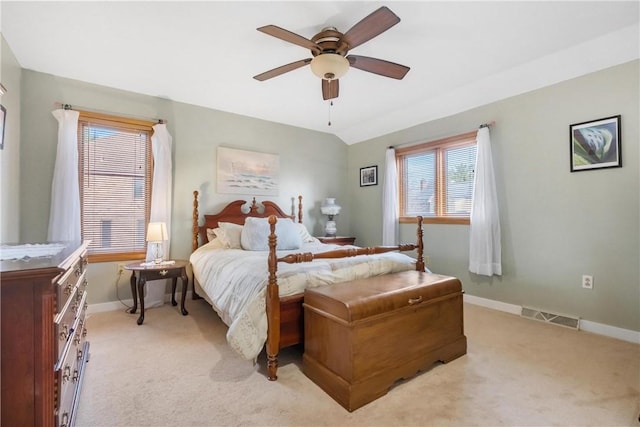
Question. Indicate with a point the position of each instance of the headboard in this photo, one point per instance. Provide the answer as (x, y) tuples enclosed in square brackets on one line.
[(233, 213)]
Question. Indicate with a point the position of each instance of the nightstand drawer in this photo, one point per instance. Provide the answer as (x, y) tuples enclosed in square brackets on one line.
[(165, 273), (338, 240)]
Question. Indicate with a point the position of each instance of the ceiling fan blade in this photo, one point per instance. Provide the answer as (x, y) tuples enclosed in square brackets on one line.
[(330, 89), (372, 25), (378, 66), (290, 37), (282, 69)]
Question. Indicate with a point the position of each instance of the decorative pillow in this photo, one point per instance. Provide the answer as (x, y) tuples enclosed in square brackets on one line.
[(230, 234), (215, 243), (255, 234), (304, 233), (210, 234)]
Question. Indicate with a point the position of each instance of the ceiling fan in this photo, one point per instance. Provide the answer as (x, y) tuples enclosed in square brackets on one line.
[(329, 49)]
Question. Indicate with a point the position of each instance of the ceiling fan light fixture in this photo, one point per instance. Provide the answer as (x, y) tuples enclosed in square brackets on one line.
[(329, 66)]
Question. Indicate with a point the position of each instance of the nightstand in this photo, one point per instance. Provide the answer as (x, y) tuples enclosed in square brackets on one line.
[(157, 272), (338, 240)]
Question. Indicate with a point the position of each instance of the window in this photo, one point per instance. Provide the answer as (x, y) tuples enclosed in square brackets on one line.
[(436, 179), (115, 170)]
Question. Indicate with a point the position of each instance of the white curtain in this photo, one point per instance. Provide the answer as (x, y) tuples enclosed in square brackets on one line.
[(485, 251), (390, 208), (64, 216), (160, 205)]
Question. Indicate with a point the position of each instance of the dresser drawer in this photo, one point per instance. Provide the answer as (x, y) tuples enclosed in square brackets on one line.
[(64, 321), (80, 331), (67, 378), (69, 280), (68, 373)]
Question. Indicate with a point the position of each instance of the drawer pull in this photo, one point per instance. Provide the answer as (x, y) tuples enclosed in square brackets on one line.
[(79, 354), (75, 375), (68, 289), (66, 374), (164, 272), (413, 301), (64, 333), (64, 420)]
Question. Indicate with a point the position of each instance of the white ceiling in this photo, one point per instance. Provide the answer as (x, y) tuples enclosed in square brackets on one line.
[(461, 54)]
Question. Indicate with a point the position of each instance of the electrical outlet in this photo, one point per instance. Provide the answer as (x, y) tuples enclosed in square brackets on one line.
[(587, 281), (120, 268)]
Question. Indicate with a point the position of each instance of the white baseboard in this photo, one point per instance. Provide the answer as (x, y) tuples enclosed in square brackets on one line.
[(489, 303), (585, 325), (117, 305), (610, 331)]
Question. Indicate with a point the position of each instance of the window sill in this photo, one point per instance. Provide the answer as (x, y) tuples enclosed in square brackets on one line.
[(129, 256), (434, 220)]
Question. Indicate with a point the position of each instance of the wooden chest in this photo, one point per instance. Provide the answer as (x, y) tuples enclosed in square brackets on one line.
[(362, 336)]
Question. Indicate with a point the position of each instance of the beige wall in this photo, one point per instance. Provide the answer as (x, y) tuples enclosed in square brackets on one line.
[(10, 76), (312, 164), (556, 225)]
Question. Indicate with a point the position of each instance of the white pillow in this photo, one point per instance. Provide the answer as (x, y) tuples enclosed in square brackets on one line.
[(232, 233), (255, 234), (304, 233), (215, 243), (210, 234)]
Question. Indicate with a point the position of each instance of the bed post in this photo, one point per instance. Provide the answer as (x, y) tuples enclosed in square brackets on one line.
[(273, 305), (300, 209), (420, 260), (194, 229)]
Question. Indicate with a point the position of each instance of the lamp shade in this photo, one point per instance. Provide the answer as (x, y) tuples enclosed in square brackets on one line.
[(329, 207), (157, 232), (329, 66)]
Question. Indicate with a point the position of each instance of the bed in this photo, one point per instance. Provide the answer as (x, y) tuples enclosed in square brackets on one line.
[(257, 287)]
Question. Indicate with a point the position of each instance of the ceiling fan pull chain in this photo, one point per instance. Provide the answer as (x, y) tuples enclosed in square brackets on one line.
[(330, 105)]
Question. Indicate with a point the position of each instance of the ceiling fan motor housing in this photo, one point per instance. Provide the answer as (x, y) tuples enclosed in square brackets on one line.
[(330, 41), (329, 63)]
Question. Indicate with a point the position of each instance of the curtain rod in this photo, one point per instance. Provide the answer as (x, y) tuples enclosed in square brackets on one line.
[(70, 107), (483, 125)]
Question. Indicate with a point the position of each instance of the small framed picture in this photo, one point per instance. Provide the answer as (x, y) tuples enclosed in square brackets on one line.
[(3, 115), (596, 144), (368, 176)]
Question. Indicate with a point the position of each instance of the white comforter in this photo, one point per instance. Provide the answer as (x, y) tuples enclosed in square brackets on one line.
[(235, 282)]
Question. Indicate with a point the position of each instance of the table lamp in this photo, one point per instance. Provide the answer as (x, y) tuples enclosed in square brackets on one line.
[(330, 209), (156, 235)]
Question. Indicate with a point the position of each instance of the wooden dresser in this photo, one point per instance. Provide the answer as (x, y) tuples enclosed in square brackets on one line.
[(44, 348)]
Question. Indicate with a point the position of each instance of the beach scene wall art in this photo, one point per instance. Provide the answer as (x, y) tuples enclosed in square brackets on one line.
[(247, 172)]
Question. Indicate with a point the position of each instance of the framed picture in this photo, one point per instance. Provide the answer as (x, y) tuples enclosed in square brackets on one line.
[(596, 144), (247, 172), (368, 176), (3, 115)]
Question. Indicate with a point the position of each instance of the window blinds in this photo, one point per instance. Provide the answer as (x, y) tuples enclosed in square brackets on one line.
[(115, 190)]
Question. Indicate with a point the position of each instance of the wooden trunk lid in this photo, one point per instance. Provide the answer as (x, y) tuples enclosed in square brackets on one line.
[(362, 299)]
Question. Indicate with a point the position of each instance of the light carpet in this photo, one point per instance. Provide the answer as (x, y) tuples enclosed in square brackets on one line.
[(177, 370)]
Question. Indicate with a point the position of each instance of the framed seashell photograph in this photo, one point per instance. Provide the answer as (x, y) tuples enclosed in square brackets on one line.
[(596, 144)]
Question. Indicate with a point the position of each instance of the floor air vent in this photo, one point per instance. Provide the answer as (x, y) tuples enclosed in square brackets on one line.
[(556, 319)]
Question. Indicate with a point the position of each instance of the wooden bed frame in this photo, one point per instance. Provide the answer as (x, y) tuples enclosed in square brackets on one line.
[(285, 315)]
